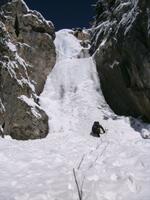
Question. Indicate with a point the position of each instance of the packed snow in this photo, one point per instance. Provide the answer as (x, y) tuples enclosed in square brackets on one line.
[(11, 46), (115, 166)]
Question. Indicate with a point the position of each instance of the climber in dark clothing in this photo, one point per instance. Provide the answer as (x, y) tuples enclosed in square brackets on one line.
[(96, 129)]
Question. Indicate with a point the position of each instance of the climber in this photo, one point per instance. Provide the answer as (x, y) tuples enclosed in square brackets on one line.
[(96, 129)]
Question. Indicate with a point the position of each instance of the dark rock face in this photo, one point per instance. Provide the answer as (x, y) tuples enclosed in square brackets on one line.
[(121, 43), (27, 55)]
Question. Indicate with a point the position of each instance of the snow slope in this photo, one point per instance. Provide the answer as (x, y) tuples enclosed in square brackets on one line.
[(114, 167)]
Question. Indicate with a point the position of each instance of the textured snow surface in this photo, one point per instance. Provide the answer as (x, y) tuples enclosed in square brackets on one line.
[(113, 167)]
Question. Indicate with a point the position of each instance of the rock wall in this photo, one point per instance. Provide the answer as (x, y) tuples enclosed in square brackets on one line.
[(121, 48), (27, 55)]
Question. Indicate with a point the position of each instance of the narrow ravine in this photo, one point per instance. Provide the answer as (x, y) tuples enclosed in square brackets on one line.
[(113, 167), (72, 93)]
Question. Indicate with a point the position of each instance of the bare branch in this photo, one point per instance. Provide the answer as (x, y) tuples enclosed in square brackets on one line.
[(77, 184), (81, 161)]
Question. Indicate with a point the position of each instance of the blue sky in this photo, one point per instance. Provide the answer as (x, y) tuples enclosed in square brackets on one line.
[(65, 13)]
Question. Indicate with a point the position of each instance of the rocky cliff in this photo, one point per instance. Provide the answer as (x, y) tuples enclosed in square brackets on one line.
[(121, 47), (27, 55)]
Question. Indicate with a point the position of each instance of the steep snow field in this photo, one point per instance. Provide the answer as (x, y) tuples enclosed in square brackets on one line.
[(113, 167)]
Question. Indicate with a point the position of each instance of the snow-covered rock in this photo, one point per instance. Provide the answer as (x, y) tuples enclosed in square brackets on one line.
[(27, 55), (33, 37), (121, 35)]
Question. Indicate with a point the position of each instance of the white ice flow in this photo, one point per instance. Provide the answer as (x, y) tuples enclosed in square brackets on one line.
[(113, 167)]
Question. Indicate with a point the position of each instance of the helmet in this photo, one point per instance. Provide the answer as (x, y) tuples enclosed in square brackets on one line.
[(96, 123)]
